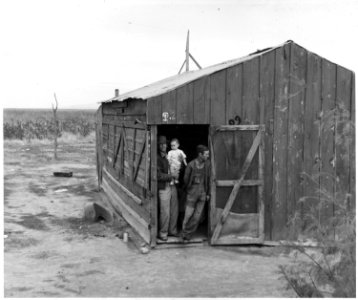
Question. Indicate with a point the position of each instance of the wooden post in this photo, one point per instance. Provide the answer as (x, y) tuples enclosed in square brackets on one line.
[(54, 110), (99, 145), (187, 53), (212, 208), (153, 185), (187, 57)]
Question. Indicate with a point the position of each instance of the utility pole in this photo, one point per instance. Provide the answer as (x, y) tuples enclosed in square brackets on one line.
[(187, 57)]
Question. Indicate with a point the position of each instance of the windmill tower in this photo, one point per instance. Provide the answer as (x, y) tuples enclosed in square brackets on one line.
[(187, 57)]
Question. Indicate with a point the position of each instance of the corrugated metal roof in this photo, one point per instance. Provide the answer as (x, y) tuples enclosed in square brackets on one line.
[(171, 83)]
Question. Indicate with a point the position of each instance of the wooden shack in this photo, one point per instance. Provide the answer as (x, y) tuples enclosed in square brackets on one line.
[(264, 118)]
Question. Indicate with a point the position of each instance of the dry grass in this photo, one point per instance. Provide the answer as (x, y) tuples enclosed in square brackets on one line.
[(66, 138)]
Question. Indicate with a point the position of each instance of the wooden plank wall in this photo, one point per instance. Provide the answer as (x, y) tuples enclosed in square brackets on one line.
[(352, 144), (125, 154), (293, 92)]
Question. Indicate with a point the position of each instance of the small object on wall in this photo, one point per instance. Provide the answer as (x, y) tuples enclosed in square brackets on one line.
[(165, 116)]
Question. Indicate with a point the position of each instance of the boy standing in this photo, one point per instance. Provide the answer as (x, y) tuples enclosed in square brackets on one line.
[(197, 186)]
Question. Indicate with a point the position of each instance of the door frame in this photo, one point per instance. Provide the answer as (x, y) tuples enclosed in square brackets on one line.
[(257, 145)]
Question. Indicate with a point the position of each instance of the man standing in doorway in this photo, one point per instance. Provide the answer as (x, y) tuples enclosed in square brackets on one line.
[(167, 194), (197, 186)]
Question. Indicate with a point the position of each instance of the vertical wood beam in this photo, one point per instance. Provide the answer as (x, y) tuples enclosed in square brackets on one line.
[(297, 87), (153, 185), (234, 100), (212, 207), (352, 155), (312, 125), (99, 147), (267, 100), (279, 208), (327, 182), (202, 100), (342, 137), (217, 98)]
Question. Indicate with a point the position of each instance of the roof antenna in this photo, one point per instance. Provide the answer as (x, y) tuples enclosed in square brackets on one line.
[(187, 56)]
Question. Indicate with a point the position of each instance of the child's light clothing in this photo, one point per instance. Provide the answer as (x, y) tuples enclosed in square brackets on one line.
[(175, 158)]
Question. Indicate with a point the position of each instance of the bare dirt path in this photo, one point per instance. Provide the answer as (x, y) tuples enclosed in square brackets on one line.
[(50, 251)]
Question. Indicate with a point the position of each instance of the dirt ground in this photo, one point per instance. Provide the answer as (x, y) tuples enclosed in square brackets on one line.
[(50, 251)]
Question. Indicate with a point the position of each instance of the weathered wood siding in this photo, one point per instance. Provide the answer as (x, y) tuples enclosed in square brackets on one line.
[(305, 103), (125, 159)]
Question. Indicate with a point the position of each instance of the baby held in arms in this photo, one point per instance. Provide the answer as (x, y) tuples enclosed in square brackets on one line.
[(176, 157)]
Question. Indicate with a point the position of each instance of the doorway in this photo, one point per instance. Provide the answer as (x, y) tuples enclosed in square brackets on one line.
[(189, 137)]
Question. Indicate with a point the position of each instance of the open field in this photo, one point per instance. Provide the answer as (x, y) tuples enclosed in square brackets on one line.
[(39, 123), (50, 251)]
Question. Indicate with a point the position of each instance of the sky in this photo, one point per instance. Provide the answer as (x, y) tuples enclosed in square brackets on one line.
[(84, 49)]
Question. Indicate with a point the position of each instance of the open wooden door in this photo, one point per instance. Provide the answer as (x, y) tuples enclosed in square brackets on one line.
[(126, 173), (236, 205)]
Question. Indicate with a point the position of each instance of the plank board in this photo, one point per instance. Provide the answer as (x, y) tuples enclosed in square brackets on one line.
[(342, 137), (234, 100), (327, 182), (213, 178), (114, 108), (217, 98), (129, 198), (311, 144), (267, 100), (130, 215), (239, 226), (352, 159), (297, 88), (125, 108), (153, 185), (137, 121), (279, 207), (154, 110), (250, 115), (202, 100), (250, 97), (99, 146), (185, 105)]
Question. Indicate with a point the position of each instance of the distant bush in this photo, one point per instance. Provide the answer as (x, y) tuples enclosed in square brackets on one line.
[(32, 124)]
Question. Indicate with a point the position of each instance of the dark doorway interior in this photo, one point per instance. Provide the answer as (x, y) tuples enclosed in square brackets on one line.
[(189, 137)]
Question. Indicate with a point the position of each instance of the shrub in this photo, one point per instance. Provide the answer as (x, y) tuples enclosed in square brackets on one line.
[(329, 269)]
